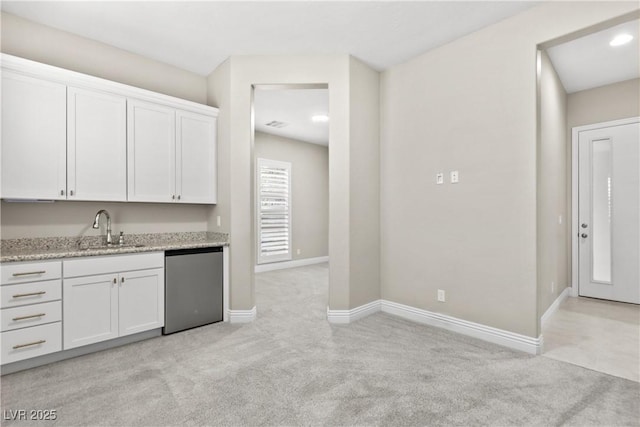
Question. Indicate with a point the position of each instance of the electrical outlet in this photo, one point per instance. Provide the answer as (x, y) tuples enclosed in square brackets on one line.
[(218, 220), (298, 251), (441, 295), (440, 178), (553, 287), (454, 177)]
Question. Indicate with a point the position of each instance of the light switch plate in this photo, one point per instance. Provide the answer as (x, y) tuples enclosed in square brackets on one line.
[(441, 295), (440, 178), (454, 177)]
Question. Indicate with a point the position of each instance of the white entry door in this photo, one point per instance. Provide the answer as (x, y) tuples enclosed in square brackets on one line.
[(609, 211)]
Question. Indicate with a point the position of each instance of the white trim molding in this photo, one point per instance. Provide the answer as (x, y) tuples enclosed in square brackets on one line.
[(243, 316), (556, 304), (290, 264), (486, 333), (348, 316)]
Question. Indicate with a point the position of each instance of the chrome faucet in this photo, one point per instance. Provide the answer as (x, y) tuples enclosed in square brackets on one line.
[(96, 224)]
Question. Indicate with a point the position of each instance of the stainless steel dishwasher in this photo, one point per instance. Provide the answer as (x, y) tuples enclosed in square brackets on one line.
[(193, 288)]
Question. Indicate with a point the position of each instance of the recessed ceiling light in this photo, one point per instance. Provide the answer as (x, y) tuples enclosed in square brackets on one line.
[(621, 39), (320, 118), (276, 124)]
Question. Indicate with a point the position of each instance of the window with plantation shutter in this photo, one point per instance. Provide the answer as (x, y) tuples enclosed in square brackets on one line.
[(274, 210)]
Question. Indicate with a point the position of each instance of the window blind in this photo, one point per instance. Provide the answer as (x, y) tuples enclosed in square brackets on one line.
[(274, 210)]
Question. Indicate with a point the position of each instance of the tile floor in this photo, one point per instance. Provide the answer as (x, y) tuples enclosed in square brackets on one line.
[(596, 334)]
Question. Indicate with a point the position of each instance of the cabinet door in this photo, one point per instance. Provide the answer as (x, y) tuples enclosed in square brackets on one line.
[(96, 146), (141, 300), (90, 310), (150, 152), (34, 137), (196, 172)]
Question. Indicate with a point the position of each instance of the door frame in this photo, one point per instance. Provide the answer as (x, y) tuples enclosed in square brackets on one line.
[(575, 262)]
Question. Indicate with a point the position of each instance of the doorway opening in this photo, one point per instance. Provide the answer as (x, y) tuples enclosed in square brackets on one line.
[(290, 182), (589, 198)]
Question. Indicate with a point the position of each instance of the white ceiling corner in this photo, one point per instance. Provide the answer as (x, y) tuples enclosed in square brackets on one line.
[(589, 61)]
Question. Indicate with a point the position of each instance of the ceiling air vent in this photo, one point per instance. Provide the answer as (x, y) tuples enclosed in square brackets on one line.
[(276, 124)]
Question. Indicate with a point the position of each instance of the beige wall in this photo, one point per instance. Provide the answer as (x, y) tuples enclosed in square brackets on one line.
[(309, 190), (364, 142), (20, 220), (219, 93), (470, 106), (54, 47), (48, 45), (601, 104), (245, 71), (553, 244)]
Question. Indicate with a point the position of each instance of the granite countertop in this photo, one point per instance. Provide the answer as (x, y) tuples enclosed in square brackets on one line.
[(43, 248)]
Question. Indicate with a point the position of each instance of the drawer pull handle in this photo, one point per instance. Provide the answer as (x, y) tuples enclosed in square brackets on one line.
[(29, 344), (30, 294), (15, 319), (28, 273)]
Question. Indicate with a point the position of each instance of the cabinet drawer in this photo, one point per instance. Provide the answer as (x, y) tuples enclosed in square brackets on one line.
[(31, 342), (112, 264), (31, 315), (30, 271), (30, 293)]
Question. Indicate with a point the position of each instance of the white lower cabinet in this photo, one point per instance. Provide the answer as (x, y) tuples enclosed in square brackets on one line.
[(30, 310), (112, 303), (140, 301), (90, 310), (25, 343)]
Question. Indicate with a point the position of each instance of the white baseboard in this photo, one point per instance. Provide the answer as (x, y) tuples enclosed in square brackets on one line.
[(486, 333), (556, 304), (290, 264), (242, 316), (348, 316)]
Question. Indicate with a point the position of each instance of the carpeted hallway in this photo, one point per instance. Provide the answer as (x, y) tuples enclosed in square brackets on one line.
[(290, 367)]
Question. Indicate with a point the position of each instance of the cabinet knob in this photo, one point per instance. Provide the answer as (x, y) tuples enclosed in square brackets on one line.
[(173, 197), (62, 192), (178, 197), (114, 280), (122, 280), (71, 193)]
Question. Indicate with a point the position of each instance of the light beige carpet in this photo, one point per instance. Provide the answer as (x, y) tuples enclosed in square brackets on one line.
[(290, 367)]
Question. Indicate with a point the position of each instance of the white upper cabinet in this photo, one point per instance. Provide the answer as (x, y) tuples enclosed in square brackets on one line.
[(70, 136), (171, 155), (34, 138), (196, 178), (96, 146), (151, 152)]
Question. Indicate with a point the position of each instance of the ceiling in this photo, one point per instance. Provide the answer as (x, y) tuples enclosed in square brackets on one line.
[(589, 61), (294, 107), (199, 35)]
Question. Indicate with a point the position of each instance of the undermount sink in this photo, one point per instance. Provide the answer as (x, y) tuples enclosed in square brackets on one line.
[(110, 247)]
